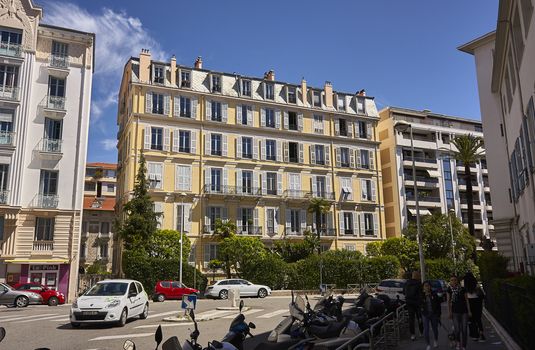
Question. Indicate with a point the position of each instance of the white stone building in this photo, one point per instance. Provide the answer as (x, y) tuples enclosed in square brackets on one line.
[(45, 92)]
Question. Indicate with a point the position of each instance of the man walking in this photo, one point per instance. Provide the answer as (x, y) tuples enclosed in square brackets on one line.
[(413, 298)]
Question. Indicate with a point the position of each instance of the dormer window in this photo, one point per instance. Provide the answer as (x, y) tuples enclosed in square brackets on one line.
[(292, 94), (361, 109), (185, 79), (341, 103), (316, 98), (159, 75), (216, 83), (245, 87), (269, 91)]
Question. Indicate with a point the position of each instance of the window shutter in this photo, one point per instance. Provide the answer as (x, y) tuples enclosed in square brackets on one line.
[(312, 150), (239, 180), (225, 177), (264, 183), (286, 123), (166, 105), (187, 178), (238, 114), (224, 214), (303, 219), (208, 144), (255, 148), (313, 184), (207, 178), (374, 190), (187, 218), (255, 220), (263, 149), (359, 159), (337, 127), (224, 112), (329, 217), (225, 145), (341, 223), (279, 184), (371, 154), (300, 121), (208, 110), (369, 131), (238, 147), (376, 224), (262, 117), (266, 210), (349, 129), (147, 137), (338, 157), (362, 224), (176, 134), (286, 151), (194, 108), (250, 116), (148, 102), (176, 106), (301, 153), (328, 181), (355, 223), (193, 141), (279, 151), (363, 189), (351, 158), (277, 119), (255, 181), (327, 151), (158, 209), (166, 139), (207, 221), (288, 222), (264, 90)]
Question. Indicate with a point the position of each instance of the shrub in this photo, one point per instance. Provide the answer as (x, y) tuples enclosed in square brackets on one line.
[(269, 270), (492, 265)]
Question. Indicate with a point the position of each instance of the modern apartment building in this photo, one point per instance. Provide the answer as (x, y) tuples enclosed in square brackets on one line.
[(506, 82), (250, 150), (98, 218), (45, 93), (439, 178)]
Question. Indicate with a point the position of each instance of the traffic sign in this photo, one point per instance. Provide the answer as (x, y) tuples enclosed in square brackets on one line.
[(189, 301)]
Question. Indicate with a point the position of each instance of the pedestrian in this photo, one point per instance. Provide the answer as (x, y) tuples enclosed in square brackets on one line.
[(459, 311), (475, 296), (431, 311), (413, 298)]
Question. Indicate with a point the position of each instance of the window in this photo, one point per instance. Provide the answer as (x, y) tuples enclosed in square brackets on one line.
[(59, 54), (271, 183), (369, 227), (155, 175), (216, 180), (93, 227), (269, 90), (246, 220), (10, 42), (52, 135), (318, 124), (341, 103), (90, 186), (109, 173), (247, 182), (9, 76), (478, 128), (6, 126), (294, 181), (295, 220), (158, 101), (364, 159), (216, 144), (321, 186), (448, 184), (362, 129), (270, 118), (182, 216), (192, 255), (103, 251), (217, 114), (345, 161), (348, 223), (159, 75), (48, 185), (347, 188), (292, 121), (110, 187), (104, 228), (210, 253), (183, 182), (271, 220), (44, 229), (316, 98), (319, 154), (83, 248), (292, 94), (216, 83), (246, 87), (244, 114), (185, 107), (247, 147), (56, 87), (367, 190), (361, 109), (214, 213), (184, 138), (271, 150), (342, 127), (293, 152), (185, 80), (156, 142)]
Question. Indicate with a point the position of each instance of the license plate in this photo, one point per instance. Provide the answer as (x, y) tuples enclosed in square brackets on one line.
[(89, 313)]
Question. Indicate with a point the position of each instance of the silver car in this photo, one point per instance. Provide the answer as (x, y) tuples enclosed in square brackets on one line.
[(12, 297), (247, 289)]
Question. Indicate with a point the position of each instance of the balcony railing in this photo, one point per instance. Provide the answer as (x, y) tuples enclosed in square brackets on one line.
[(47, 201), (232, 190), (297, 194), (7, 138), (50, 145), (289, 232), (462, 181), (420, 159), (323, 194), (423, 198), (59, 61), (476, 221), (10, 49), (474, 201), (55, 102), (43, 246), (9, 93), (327, 232), (422, 179), (250, 230), (4, 196)]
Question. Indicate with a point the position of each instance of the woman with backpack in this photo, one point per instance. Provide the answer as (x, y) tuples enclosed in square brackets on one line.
[(475, 295), (431, 311)]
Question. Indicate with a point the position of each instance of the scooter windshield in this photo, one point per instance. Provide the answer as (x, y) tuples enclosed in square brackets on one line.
[(238, 324)]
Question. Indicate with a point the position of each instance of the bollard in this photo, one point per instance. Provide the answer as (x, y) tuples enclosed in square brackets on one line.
[(234, 296)]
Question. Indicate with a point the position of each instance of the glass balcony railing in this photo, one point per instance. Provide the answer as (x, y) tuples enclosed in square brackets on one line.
[(59, 61), (420, 159), (422, 179), (474, 201), (422, 198), (7, 138), (9, 93), (51, 145), (10, 49)]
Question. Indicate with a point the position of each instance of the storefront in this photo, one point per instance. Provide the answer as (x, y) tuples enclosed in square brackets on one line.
[(52, 274)]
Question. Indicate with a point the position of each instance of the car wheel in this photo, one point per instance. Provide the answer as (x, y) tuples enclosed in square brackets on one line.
[(223, 294), (262, 293), (53, 301), (124, 317), (160, 298), (75, 324), (22, 301), (145, 312)]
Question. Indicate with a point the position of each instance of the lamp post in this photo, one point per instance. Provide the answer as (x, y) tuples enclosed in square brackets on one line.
[(182, 195), (452, 212), (402, 126)]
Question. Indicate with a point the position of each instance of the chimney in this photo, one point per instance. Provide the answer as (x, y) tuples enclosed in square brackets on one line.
[(198, 63), (328, 92), (144, 66), (361, 93), (304, 95), (270, 75), (173, 70)]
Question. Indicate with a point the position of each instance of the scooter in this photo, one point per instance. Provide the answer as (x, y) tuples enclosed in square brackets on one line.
[(3, 335)]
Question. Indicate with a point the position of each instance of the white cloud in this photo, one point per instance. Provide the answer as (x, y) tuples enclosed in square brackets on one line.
[(108, 144)]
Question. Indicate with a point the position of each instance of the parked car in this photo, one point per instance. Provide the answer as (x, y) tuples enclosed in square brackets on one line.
[(110, 301), (11, 297), (393, 288), (439, 287), (51, 297), (171, 290), (220, 289)]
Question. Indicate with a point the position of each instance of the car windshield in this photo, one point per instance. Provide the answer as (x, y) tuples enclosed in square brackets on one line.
[(5, 287), (107, 289)]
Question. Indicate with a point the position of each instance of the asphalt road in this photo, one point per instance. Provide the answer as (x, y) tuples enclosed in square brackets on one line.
[(43, 326)]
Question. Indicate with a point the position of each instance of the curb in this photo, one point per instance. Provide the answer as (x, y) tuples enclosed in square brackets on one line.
[(205, 318), (508, 341)]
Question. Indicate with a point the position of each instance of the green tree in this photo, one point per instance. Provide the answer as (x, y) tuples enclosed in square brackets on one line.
[(225, 229), (374, 248), (214, 265), (319, 206), (240, 253), (98, 267), (469, 151), (404, 249), (141, 222), (292, 251), (269, 270), (165, 244)]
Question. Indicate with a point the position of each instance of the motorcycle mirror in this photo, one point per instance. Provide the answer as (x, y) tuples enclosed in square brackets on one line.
[(2, 333), (158, 336), (171, 344), (293, 297), (129, 345), (252, 325)]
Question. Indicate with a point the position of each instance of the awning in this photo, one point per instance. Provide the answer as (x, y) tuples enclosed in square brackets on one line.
[(433, 173), (31, 261), (422, 211)]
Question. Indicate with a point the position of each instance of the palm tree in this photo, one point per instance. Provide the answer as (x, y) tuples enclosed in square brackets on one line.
[(319, 206), (469, 151), (224, 229)]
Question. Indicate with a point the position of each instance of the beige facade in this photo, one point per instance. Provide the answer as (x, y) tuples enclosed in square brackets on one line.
[(249, 150)]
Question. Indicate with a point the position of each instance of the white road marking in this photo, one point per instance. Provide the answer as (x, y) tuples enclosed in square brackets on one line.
[(164, 314), (274, 313), (213, 313), (122, 336), (175, 324), (25, 317), (249, 312), (39, 319)]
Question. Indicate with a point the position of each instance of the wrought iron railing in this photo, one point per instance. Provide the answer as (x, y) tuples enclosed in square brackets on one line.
[(59, 61), (55, 102), (7, 138), (420, 159), (4, 196), (250, 230), (10, 49), (323, 194), (423, 198), (298, 194), (232, 190), (51, 145), (9, 93), (47, 201)]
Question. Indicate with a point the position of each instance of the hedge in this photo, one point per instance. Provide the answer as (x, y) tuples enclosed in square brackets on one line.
[(442, 269)]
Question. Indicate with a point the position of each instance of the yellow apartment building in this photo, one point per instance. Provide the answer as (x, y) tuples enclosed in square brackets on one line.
[(250, 150)]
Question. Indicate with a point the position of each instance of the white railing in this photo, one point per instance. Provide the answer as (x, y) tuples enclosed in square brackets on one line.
[(59, 61), (43, 246)]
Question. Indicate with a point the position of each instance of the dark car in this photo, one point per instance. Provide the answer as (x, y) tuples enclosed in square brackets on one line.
[(439, 287), (171, 290), (50, 297)]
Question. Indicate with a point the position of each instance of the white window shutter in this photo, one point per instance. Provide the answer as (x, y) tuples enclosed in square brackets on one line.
[(301, 153), (148, 102), (375, 224), (288, 222), (351, 158), (207, 177), (300, 121), (224, 151), (313, 184), (176, 106), (187, 178), (187, 217), (147, 137), (303, 219), (239, 180), (286, 152), (255, 148), (359, 159), (356, 223), (363, 190), (327, 151), (286, 122), (349, 129), (225, 177), (207, 224), (250, 116), (238, 147), (239, 222), (193, 142), (371, 154), (255, 219), (158, 208), (357, 129), (369, 131), (279, 184), (166, 139), (238, 114), (262, 117), (338, 157), (312, 149), (176, 134), (194, 104), (166, 104), (298, 182), (263, 149), (255, 181), (374, 190), (279, 151), (224, 112), (337, 127), (208, 110), (208, 144), (277, 119), (329, 216), (341, 223), (264, 183), (328, 180)]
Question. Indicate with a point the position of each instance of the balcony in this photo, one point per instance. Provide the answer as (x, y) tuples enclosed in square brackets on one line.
[(420, 162), (46, 201), (4, 196), (322, 194), (424, 201), (11, 50), (9, 93), (290, 233), (59, 65), (297, 194), (43, 247), (237, 191), (422, 181), (54, 106), (250, 230), (50, 148), (327, 232), (7, 138)]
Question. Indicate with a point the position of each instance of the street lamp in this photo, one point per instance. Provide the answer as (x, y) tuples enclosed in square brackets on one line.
[(403, 126), (452, 212), (182, 214)]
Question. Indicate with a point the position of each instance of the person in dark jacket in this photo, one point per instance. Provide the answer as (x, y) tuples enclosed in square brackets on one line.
[(475, 295), (413, 299), (431, 311)]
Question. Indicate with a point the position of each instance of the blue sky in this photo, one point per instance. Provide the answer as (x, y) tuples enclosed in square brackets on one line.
[(402, 52)]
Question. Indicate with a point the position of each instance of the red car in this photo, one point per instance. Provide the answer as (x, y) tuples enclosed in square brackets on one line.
[(171, 290), (50, 296)]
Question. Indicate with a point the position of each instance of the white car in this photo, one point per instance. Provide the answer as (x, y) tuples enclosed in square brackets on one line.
[(247, 289), (110, 301), (393, 288)]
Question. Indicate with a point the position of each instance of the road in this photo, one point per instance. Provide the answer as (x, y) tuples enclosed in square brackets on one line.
[(43, 326)]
